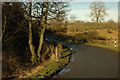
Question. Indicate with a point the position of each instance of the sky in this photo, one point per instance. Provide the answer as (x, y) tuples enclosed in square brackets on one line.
[(82, 11), (80, 8)]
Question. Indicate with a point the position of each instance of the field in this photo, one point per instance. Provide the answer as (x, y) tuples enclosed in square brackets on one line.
[(103, 34)]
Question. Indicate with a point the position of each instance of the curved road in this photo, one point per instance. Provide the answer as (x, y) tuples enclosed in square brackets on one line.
[(91, 62)]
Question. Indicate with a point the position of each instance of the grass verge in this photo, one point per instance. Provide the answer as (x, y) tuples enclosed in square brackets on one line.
[(54, 67), (104, 46)]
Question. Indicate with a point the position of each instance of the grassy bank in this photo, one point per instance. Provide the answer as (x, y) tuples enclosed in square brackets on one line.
[(104, 46), (51, 68)]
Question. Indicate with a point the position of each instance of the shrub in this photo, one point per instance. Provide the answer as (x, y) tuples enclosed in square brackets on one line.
[(99, 38), (109, 31), (92, 35)]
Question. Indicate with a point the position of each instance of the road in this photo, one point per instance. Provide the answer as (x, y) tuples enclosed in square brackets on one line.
[(90, 62)]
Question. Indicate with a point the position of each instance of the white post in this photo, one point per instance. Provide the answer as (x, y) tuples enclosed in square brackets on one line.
[(115, 42)]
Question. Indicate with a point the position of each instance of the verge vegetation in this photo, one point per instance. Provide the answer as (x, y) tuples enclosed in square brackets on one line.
[(50, 68)]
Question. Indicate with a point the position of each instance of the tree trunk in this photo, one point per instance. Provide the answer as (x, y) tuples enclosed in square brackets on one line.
[(32, 50), (97, 19), (4, 27), (43, 25), (40, 43)]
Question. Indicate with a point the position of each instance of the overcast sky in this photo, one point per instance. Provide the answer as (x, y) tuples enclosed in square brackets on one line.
[(82, 11)]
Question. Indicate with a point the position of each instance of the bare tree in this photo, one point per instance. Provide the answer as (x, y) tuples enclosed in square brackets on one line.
[(72, 18), (43, 22), (42, 12), (47, 11), (32, 48), (98, 11)]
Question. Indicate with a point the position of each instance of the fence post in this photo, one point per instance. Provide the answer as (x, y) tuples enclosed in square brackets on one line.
[(115, 43)]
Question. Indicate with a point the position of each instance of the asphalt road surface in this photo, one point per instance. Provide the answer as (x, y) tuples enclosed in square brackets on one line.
[(90, 62)]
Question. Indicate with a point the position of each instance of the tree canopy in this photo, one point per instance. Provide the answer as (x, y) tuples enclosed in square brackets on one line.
[(98, 11)]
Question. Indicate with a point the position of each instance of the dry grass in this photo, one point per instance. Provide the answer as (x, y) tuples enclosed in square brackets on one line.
[(104, 32), (10, 67), (109, 36), (34, 71), (97, 36), (47, 68)]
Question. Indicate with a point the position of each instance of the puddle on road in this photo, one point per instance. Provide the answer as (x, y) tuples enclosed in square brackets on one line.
[(67, 68)]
